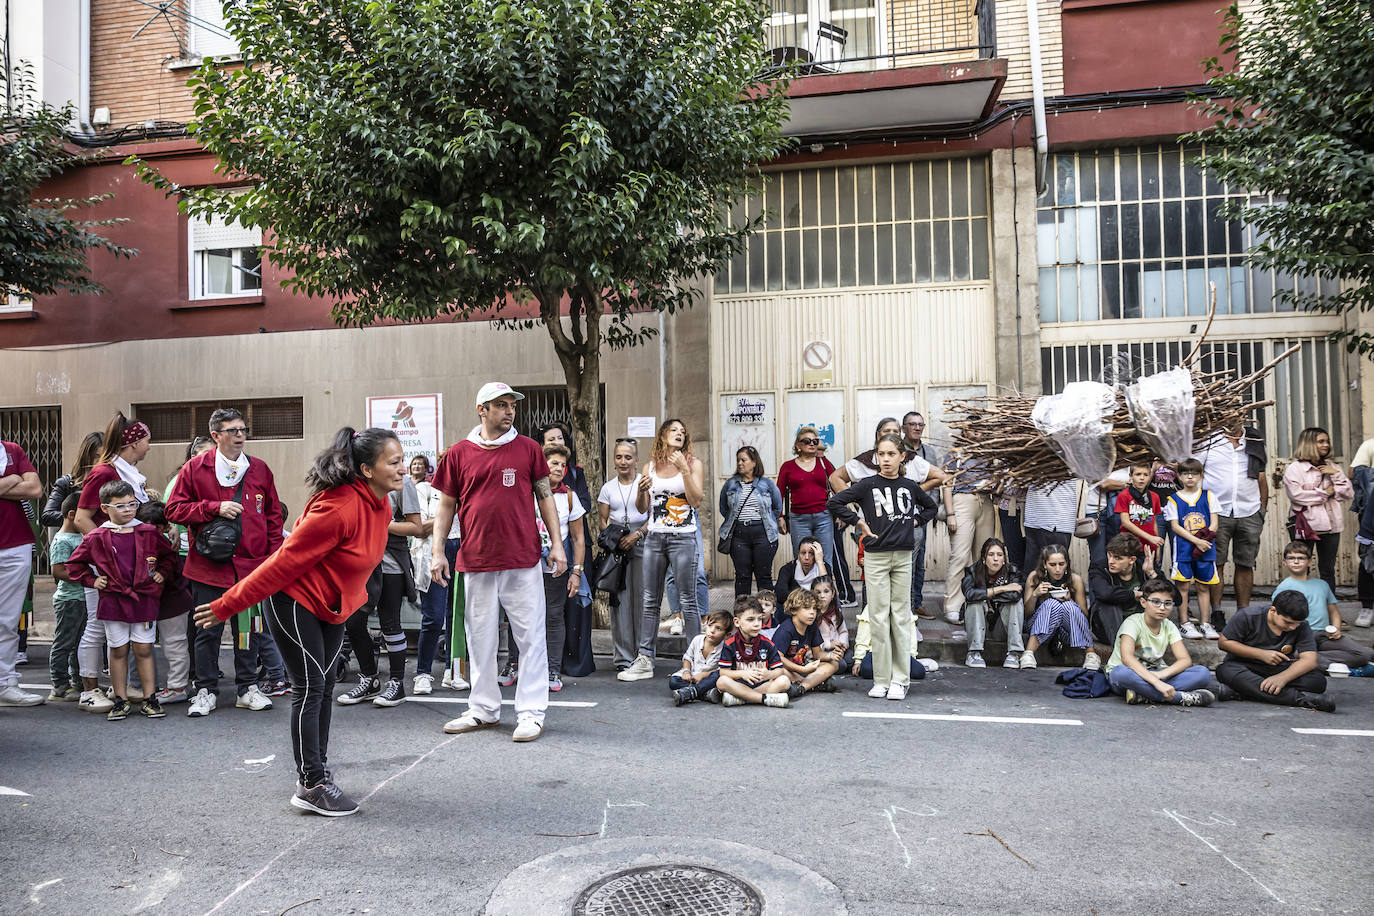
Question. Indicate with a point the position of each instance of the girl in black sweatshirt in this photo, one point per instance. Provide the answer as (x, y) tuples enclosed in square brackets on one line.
[(892, 506)]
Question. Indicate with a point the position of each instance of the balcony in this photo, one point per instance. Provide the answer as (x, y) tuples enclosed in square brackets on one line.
[(862, 65)]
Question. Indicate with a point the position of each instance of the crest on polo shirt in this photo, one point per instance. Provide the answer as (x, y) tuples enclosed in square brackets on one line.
[(508, 477)]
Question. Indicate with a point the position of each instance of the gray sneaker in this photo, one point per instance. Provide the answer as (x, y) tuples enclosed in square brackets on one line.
[(640, 669), (1196, 698), (325, 799)]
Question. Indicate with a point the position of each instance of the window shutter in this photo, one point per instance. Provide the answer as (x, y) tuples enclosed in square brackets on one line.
[(216, 233), (208, 34)]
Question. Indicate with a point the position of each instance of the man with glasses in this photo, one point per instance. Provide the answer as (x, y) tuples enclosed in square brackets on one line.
[(913, 428), (224, 482)]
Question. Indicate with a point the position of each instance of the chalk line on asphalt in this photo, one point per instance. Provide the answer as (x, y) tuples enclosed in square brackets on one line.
[(566, 704), (1348, 732), (1179, 819), (932, 717)]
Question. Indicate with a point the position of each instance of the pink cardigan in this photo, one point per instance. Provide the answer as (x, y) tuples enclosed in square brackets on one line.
[(1306, 487)]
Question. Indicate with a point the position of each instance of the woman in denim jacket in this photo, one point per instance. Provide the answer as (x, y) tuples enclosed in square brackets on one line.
[(752, 512)]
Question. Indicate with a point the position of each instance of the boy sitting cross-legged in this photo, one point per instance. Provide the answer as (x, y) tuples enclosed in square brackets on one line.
[(1271, 656), (750, 666), (809, 665), (1137, 669), (700, 663)]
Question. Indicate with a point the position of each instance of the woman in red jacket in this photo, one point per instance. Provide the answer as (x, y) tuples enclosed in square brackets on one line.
[(314, 583)]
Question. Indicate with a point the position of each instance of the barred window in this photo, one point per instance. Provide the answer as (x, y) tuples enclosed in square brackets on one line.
[(267, 418), (867, 225), (1137, 232)]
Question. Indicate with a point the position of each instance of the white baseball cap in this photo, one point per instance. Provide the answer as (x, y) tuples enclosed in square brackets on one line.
[(492, 390)]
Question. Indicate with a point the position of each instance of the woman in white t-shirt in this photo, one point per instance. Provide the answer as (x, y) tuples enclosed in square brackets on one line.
[(558, 589), (615, 504)]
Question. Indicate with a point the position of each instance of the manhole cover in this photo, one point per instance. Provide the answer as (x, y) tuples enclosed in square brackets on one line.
[(659, 890)]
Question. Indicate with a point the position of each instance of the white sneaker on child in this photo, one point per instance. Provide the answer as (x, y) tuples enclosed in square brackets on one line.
[(423, 685), (877, 691), (1210, 632), (896, 692), (1189, 630), (96, 700), (1092, 661), (729, 699), (1366, 617)]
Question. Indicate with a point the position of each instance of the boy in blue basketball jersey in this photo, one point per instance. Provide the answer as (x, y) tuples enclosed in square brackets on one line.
[(1192, 513)]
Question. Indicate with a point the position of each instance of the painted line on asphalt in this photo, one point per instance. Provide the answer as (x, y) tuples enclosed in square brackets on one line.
[(1013, 720), (566, 704), (1349, 732), (6, 790), (36, 686)]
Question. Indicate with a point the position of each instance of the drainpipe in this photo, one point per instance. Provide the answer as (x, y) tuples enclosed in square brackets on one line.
[(1042, 146), (662, 372)]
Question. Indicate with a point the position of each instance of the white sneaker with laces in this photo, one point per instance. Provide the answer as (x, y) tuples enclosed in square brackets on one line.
[(1012, 660), (202, 704), (877, 691), (423, 685), (1092, 661), (1210, 632), (776, 700), (640, 669), (253, 699), (1366, 617), (1028, 660), (454, 681), (468, 722), (675, 627), (952, 617), (527, 730), (96, 700), (1189, 630), (729, 699), (975, 660), (896, 692), (14, 695)]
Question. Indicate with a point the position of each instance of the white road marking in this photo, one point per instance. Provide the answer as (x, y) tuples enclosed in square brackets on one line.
[(6, 790), (1349, 732), (606, 811), (1179, 819), (957, 718), (33, 892), (890, 814), (566, 704)]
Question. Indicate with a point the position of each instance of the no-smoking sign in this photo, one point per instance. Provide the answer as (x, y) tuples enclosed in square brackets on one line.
[(816, 369)]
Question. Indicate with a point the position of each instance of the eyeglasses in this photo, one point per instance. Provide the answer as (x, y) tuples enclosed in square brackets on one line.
[(235, 431), (809, 441), (122, 507), (1163, 604), (916, 425), (627, 440)]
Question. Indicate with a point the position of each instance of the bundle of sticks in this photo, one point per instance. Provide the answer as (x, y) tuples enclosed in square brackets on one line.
[(998, 432)]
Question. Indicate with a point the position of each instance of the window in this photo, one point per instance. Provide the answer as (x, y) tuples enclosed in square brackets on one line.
[(225, 259), (209, 37), (1137, 232), (268, 418), (826, 31), (871, 225), (13, 302)]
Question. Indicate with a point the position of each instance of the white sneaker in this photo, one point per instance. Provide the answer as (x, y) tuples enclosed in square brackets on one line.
[(1366, 617), (454, 681), (1189, 630), (975, 660), (1092, 661), (640, 669), (467, 722), (729, 699), (929, 664), (423, 685), (1012, 660), (14, 695), (952, 617), (96, 700), (1028, 660), (253, 699), (877, 692), (896, 692), (1210, 632), (202, 704), (675, 627), (776, 700), (527, 730)]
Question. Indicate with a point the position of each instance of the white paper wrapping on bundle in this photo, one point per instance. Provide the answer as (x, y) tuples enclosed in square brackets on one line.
[(1077, 424), (1162, 408)]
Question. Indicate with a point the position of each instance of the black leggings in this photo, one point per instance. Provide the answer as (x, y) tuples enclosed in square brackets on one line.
[(389, 618), (310, 648)]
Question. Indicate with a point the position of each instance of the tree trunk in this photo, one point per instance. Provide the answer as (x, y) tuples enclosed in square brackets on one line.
[(579, 353)]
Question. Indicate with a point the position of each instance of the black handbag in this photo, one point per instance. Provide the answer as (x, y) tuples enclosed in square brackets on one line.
[(614, 567), (610, 536), (218, 538)]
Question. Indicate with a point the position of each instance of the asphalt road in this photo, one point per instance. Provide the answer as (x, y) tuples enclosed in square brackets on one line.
[(1136, 810)]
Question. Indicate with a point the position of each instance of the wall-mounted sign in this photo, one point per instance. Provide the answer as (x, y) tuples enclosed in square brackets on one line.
[(416, 419), (817, 371), (747, 419)]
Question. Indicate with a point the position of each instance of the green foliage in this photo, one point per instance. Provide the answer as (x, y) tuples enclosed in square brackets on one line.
[(43, 248), (1295, 119)]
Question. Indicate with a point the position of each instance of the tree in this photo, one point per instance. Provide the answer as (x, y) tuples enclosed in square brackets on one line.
[(1295, 120), (563, 163), (43, 248)]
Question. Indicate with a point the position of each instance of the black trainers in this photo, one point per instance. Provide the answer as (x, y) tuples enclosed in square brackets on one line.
[(325, 799), (1224, 693), (685, 694), (1305, 701), (152, 709), (120, 710), (1196, 698), (796, 691), (393, 694), (367, 688), (713, 695), (826, 686)]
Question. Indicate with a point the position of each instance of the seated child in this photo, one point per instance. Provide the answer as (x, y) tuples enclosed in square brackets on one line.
[(69, 608), (862, 664), (992, 587), (697, 679), (1115, 589), (1137, 670), (1136, 507), (750, 666), (127, 562), (772, 614), (1055, 593), (1323, 615), (834, 633), (798, 639), (1193, 514), (173, 609), (1271, 656)]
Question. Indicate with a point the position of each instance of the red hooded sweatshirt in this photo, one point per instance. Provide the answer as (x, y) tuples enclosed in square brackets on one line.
[(326, 562)]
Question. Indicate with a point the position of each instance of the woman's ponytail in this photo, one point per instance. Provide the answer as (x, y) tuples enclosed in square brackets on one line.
[(341, 463)]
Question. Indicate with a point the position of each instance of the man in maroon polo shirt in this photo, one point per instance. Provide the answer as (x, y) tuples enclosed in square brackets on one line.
[(204, 490), (18, 482)]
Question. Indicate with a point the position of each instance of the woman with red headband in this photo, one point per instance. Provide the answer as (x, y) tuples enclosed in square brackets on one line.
[(126, 444)]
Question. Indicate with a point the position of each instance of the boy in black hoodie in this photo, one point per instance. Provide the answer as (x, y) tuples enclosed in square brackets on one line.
[(1115, 589)]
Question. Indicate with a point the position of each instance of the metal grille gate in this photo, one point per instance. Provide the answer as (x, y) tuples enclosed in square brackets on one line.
[(546, 404), (38, 431)]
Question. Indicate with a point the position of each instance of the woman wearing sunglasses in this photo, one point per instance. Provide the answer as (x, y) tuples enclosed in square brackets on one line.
[(803, 481)]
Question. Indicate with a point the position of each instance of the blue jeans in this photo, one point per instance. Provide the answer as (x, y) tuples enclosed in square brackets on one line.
[(817, 525), (1123, 679), (703, 587), (435, 614), (1108, 527), (677, 683)]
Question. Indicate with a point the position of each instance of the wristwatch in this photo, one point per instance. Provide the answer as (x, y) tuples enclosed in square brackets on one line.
[(577, 568)]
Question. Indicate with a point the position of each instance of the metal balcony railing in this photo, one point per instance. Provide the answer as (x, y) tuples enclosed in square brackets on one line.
[(836, 36)]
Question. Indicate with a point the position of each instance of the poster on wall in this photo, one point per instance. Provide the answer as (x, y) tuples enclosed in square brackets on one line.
[(747, 419), (416, 419), (823, 410), (874, 404)]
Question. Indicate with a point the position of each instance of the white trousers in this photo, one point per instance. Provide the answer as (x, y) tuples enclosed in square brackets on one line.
[(174, 645), (520, 593), (15, 565), (90, 651)]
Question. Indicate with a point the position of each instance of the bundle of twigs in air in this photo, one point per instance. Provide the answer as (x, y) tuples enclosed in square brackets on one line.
[(1015, 454)]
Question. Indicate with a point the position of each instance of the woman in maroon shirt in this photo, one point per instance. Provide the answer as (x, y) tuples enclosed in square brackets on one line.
[(314, 583), (126, 444), (804, 486)]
